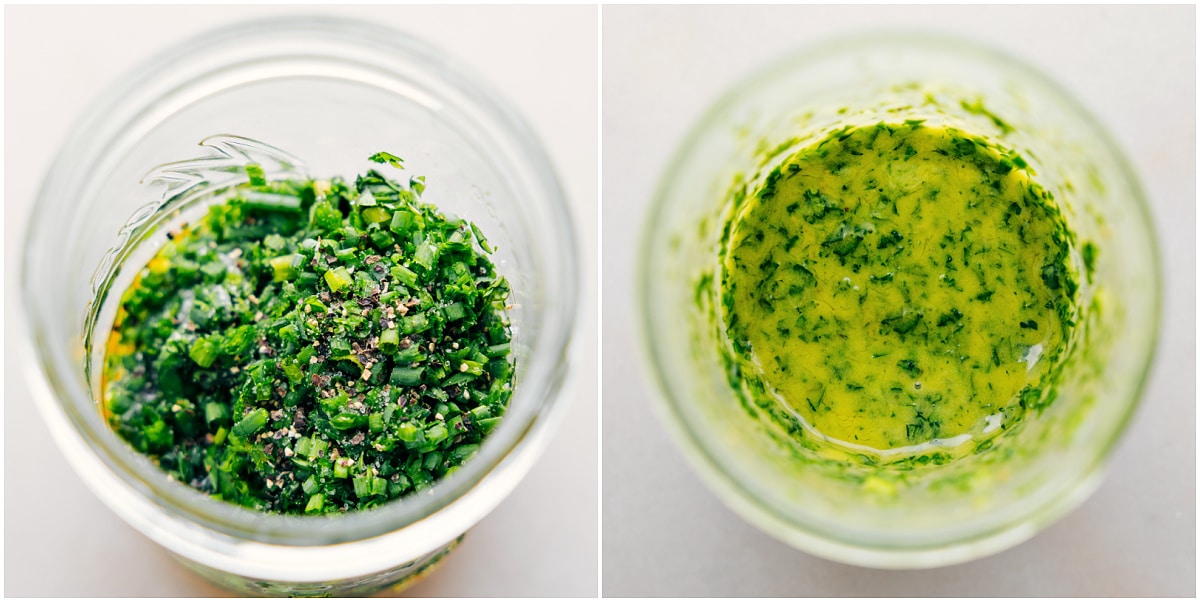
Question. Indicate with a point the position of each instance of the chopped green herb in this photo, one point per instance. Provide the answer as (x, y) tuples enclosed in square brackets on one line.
[(255, 172), (313, 346), (388, 158), (204, 352)]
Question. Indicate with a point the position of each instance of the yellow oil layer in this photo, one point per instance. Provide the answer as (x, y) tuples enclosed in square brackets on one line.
[(116, 348), (898, 285)]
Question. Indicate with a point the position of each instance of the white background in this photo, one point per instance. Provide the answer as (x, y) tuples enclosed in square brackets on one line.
[(58, 539), (666, 534)]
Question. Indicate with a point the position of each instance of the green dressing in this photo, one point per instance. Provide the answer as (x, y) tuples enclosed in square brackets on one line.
[(898, 287)]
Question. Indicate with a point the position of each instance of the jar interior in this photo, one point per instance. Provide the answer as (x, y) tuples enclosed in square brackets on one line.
[(300, 87)]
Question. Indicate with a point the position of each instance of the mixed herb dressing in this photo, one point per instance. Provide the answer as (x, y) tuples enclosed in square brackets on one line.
[(897, 287), (313, 346)]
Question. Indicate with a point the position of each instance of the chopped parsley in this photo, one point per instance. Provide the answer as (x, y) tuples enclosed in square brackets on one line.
[(313, 346)]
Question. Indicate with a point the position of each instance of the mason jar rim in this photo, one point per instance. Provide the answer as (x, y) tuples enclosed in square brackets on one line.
[(728, 485), (70, 408)]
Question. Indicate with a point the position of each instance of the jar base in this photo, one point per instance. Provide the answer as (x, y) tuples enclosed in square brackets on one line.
[(392, 580)]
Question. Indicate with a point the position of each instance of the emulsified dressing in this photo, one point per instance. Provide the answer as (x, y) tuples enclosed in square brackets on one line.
[(898, 286)]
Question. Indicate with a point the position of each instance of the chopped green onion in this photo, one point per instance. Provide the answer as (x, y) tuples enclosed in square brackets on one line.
[(214, 411), (376, 214), (282, 267), (251, 423), (362, 486), (347, 421), (255, 172), (426, 255), (204, 352), (416, 323), (338, 279), (315, 503), (404, 275), (453, 312), (437, 433), (407, 376), (389, 341)]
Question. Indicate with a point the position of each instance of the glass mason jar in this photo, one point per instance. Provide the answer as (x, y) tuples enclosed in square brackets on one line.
[(331, 92), (924, 514)]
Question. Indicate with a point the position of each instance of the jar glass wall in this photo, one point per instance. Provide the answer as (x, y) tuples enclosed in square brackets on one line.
[(330, 92), (935, 514)]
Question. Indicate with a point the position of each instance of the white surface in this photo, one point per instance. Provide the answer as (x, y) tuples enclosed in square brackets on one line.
[(666, 534), (58, 539)]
